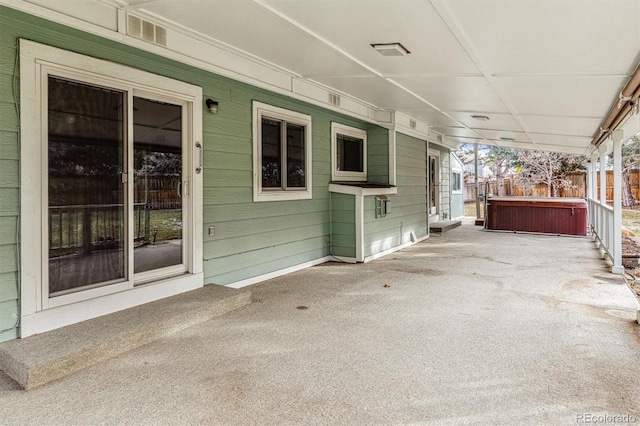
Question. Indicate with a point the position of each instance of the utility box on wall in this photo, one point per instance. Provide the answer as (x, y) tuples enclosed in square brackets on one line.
[(383, 206)]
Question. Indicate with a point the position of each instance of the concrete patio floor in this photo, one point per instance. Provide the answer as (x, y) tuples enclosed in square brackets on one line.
[(470, 327)]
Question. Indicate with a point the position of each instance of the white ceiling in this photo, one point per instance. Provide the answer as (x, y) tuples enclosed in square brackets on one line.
[(545, 72)]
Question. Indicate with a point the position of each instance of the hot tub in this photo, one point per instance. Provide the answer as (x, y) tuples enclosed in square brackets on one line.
[(563, 216)]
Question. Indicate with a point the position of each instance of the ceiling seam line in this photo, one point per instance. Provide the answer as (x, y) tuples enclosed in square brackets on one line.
[(457, 31), (328, 43)]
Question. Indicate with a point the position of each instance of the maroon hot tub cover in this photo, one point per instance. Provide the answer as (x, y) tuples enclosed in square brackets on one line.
[(566, 216)]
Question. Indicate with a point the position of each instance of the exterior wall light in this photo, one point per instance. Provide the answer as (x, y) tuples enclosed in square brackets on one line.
[(212, 106)]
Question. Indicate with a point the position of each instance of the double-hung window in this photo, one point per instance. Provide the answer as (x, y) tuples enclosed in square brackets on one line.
[(348, 153), (281, 154)]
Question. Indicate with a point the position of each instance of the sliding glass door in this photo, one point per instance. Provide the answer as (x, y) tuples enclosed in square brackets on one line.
[(116, 183)]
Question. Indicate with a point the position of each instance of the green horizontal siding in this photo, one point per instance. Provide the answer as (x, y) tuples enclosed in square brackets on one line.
[(377, 155), (251, 239), (8, 230), (9, 145), (8, 315), (343, 225), (9, 185), (8, 291), (408, 207), (241, 266)]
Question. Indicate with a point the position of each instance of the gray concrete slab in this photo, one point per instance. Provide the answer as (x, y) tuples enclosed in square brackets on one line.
[(471, 327), (41, 358), (443, 226)]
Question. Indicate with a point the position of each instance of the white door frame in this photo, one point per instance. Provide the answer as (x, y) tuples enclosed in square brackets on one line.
[(434, 209), (36, 60)]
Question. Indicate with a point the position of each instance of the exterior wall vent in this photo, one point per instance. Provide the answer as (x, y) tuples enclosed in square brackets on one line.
[(439, 138), (412, 123), (145, 30), (334, 99)]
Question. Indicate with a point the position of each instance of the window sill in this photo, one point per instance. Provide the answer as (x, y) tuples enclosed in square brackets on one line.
[(362, 188), (282, 196)]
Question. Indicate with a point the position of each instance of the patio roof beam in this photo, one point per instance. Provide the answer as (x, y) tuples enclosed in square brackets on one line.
[(620, 110)]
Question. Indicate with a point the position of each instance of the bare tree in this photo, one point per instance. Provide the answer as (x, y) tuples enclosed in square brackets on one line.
[(548, 168), (630, 161), (500, 160)]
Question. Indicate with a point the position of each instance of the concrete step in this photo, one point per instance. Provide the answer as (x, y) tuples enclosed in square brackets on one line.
[(444, 226), (41, 358)]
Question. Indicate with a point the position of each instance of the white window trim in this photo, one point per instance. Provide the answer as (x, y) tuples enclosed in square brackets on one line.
[(456, 191), (338, 175), (36, 60), (259, 110)]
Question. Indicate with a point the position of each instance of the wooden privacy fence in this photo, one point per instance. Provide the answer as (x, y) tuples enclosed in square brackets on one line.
[(579, 187)]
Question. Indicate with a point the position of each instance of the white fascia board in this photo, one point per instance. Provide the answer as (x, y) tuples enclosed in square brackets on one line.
[(197, 51), (403, 125), (315, 92)]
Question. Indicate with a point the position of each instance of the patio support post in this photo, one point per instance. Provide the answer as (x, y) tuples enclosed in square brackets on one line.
[(617, 137), (475, 165), (593, 193), (588, 179), (603, 173)]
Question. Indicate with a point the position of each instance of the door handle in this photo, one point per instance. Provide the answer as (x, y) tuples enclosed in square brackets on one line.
[(199, 146)]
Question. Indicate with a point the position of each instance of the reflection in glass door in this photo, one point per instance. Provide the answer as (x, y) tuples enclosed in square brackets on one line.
[(434, 185), (115, 199), (157, 185), (86, 129)]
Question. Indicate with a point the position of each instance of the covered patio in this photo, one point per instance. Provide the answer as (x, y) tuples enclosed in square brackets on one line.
[(471, 327)]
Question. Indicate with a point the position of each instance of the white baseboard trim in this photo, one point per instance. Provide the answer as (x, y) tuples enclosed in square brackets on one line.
[(394, 249), (279, 273), (299, 267)]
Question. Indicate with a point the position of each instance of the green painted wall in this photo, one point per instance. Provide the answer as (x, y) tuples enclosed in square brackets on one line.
[(9, 184), (378, 155), (343, 225), (408, 206), (256, 238), (251, 238)]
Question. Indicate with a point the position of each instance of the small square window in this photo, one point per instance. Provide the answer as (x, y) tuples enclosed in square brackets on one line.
[(456, 181), (349, 153), (282, 154)]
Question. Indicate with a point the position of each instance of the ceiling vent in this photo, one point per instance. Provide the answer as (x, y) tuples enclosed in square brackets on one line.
[(412, 123), (390, 49), (334, 99), (145, 30)]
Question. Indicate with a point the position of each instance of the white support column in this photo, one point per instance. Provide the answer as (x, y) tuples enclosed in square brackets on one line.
[(617, 137), (594, 176), (590, 170), (603, 173)]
